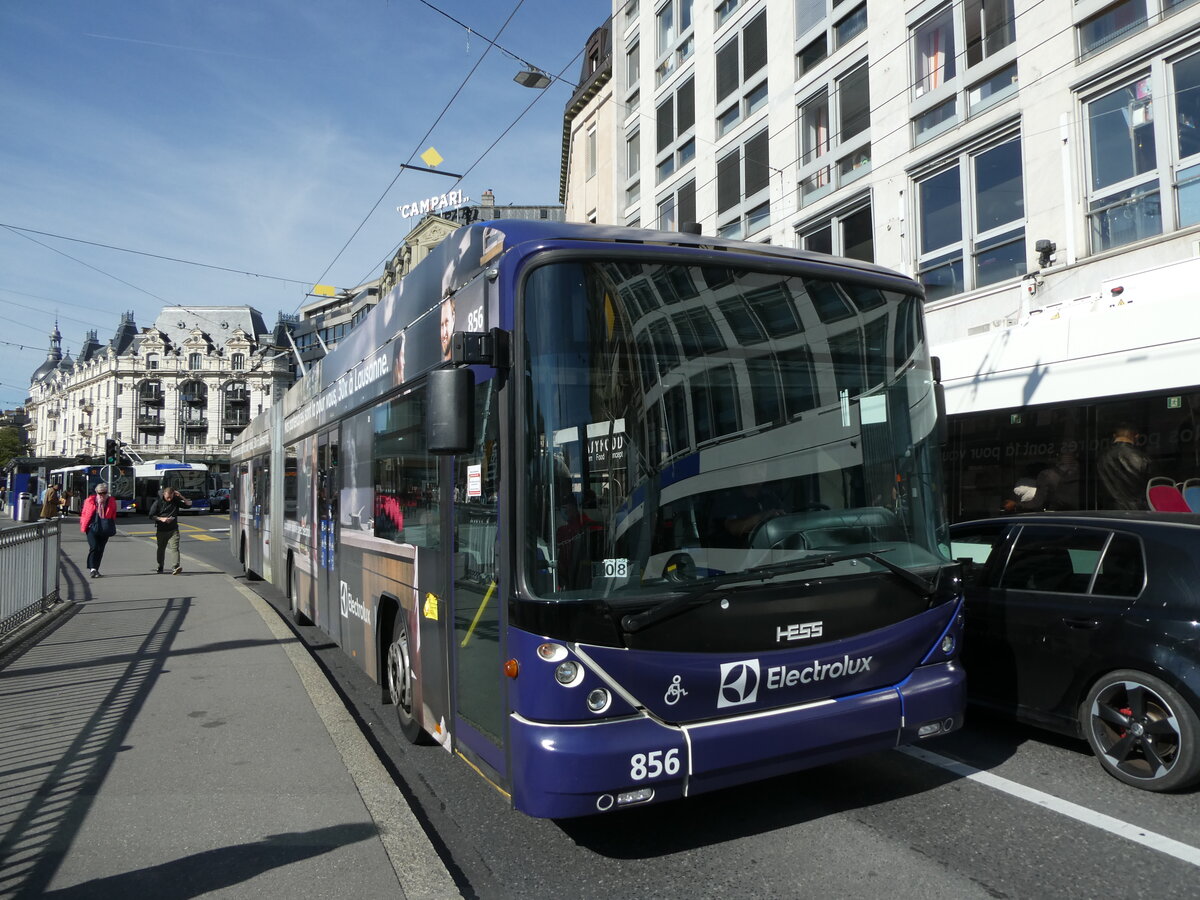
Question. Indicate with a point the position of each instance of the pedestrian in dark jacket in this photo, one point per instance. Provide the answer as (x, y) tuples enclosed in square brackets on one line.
[(164, 512), (1124, 469), (98, 520)]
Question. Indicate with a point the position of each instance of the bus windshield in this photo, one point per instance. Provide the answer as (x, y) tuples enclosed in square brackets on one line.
[(692, 422)]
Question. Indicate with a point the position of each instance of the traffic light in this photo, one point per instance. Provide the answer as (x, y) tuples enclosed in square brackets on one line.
[(112, 452)]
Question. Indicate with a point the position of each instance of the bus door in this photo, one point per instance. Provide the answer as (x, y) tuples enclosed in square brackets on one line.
[(477, 603), (328, 489)]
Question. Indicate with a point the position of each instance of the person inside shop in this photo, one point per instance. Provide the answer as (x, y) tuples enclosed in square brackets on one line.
[(98, 521)]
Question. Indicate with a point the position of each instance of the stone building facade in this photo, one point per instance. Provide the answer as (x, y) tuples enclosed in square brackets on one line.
[(182, 388)]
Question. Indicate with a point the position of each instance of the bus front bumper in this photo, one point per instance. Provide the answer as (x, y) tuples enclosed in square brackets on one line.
[(567, 770)]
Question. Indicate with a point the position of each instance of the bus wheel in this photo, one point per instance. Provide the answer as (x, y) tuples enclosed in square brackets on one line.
[(250, 576), (401, 682), (293, 599)]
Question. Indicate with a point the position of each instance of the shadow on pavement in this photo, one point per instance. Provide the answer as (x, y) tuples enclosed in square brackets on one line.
[(211, 870), (52, 769)]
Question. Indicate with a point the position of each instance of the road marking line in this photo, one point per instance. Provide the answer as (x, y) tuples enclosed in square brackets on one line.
[(1163, 844)]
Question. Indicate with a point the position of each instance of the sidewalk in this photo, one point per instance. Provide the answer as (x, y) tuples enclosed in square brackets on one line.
[(166, 738)]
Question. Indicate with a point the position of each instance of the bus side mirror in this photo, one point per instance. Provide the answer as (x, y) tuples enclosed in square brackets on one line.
[(450, 411)]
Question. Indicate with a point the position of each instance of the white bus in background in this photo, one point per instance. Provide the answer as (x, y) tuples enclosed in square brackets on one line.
[(190, 479), (80, 481)]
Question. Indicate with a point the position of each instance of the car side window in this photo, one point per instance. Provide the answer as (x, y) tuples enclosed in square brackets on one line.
[(1123, 568), (1054, 559), (981, 546)]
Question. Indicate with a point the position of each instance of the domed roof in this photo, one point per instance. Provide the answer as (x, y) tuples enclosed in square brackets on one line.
[(53, 357)]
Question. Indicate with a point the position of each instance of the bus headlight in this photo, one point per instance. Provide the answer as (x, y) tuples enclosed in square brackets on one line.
[(948, 644), (552, 652), (598, 700), (568, 673)]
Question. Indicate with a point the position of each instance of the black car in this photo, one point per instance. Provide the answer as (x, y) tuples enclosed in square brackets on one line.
[(218, 500), (1088, 624)]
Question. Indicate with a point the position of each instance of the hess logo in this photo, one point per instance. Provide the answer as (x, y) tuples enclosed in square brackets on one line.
[(739, 683)]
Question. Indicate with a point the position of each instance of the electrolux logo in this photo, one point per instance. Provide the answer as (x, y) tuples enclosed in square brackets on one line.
[(352, 606), (739, 683), (741, 680)]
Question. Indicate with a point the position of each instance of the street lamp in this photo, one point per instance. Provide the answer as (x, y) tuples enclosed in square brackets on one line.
[(532, 77)]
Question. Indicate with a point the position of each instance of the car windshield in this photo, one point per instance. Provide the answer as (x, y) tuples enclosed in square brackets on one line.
[(697, 421)]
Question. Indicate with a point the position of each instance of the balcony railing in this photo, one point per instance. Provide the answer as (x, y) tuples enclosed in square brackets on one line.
[(150, 422), (237, 396), (151, 399), (195, 423), (191, 398), (235, 420)]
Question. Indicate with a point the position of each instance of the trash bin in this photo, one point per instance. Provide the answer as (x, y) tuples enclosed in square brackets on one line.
[(25, 508)]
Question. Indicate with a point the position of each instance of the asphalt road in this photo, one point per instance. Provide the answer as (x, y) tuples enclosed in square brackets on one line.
[(997, 810)]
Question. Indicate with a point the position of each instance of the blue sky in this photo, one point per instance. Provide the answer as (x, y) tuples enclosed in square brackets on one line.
[(254, 135)]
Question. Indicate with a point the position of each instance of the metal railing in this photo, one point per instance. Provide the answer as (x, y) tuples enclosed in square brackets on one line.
[(29, 561)]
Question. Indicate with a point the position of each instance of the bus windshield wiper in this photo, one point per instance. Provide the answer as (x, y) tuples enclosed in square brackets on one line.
[(700, 593)]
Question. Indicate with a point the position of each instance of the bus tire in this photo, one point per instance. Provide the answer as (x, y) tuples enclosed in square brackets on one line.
[(246, 570), (294, 598), (401, 683)]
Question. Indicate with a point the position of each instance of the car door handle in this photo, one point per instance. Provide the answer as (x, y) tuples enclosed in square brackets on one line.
[(1081, 623)]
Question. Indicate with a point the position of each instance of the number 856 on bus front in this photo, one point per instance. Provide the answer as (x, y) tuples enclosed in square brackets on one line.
[(644, 766)]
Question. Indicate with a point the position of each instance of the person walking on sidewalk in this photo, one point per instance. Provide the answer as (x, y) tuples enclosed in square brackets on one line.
[(50, 502), (165, 514), (98, 520)]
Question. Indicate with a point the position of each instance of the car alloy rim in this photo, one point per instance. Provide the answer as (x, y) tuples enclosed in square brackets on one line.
[(1136, 730), (399, 683)]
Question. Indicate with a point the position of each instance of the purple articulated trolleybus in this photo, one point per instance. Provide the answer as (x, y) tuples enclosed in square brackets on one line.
[(622, 516)]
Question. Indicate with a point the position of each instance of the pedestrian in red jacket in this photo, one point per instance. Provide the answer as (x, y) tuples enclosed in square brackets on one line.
[(98, 520)]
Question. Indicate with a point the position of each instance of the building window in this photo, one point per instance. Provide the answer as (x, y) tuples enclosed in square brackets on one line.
[(725, 9), (633, 68), (238, 361), (677, 208), (195, 360), (1106, 28), (850, 26), (591, 152), (934, 49), (848, 233), (1141, 183), (740, 60), (1186, 74), (1124, 203), (151, 360), (838, 23), (676, 124), (633, 168), (675, 38), (835, 139), (944, 90), (743, 189), (971, 222), (990, 26)]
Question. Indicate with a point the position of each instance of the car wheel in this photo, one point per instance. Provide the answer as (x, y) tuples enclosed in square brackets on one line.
[(1142, 731), (401, 683)]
